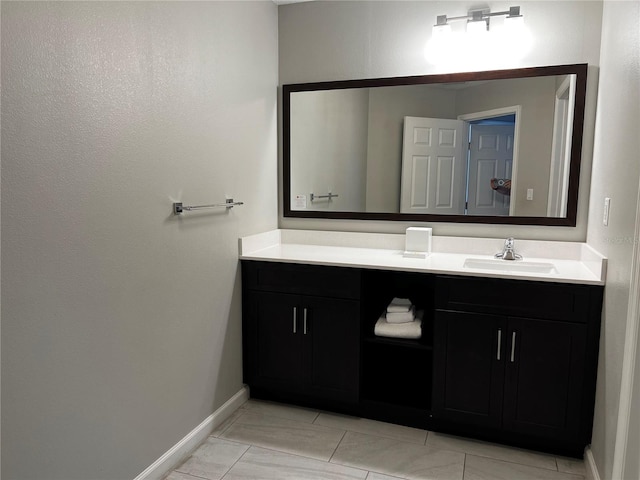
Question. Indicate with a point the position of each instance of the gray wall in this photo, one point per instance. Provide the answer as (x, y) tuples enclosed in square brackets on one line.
[(616, 171), (330, 131), (536, 96), (320, 41), (121, 324), (387, 109)]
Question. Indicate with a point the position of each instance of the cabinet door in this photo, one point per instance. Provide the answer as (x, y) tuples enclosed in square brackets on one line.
[(275, 341), (544, 378), (468, 368), (332, 347)]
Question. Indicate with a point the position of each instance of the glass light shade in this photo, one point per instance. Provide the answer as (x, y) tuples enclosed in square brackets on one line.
[(441, 31), (514, 23), (477, 27)]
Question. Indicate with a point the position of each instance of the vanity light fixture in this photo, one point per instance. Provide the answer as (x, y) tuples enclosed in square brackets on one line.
[(514, 20), (477, 20), (441, 28)]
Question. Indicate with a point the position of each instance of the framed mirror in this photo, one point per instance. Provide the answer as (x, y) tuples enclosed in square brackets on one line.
[(499, 147)]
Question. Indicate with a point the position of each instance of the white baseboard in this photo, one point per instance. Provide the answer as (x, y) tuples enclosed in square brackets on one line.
[(158, 469), (590, 464)]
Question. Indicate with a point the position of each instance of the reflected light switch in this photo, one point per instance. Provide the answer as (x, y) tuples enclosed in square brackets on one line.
[(300, 201)]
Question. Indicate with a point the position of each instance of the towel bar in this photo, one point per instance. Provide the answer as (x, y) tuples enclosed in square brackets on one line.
[(178, 207), (329, 196)]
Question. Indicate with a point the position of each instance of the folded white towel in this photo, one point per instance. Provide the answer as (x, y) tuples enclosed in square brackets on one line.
[(398, 330), (399, 305), (401, 317)]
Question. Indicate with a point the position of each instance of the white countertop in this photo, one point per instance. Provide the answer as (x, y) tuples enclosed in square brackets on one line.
[(574, 262)]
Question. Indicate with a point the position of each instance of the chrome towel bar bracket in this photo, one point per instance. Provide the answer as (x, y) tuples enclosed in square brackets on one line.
[(178, 207), (328, 196)]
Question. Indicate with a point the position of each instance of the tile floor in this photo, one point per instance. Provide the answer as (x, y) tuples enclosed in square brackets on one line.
[(271, 441)]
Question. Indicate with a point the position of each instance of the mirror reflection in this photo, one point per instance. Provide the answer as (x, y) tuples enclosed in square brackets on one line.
[(489, 147)]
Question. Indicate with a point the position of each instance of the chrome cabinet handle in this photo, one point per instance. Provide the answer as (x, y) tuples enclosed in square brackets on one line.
[(513, 347), (499, 344), (304, 325), (295, 317)]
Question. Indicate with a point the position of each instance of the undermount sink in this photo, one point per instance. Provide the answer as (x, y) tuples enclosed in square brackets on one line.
[(510, 265)]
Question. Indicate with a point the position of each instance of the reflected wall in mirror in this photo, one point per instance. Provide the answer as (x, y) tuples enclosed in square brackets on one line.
[(486, 147)]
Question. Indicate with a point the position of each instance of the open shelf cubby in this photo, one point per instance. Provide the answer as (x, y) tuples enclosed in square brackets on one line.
[(379, 289), (397, 372)]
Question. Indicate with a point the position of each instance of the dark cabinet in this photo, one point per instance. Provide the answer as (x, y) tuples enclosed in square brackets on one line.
[(332, 350), (511, 361), (468, 368), (521, 375), (303, 345), (274, 341), (532, 378), (545, 369)]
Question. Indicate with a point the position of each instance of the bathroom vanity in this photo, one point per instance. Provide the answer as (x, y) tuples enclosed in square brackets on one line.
[(505, 355)]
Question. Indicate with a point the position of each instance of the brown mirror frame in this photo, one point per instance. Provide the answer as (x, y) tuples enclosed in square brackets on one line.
[(580, 70)]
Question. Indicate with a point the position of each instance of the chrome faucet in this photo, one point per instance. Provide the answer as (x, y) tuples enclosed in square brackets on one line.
[(508, 252)]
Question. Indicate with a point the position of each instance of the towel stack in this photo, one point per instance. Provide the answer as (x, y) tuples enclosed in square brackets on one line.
[(400, 320)]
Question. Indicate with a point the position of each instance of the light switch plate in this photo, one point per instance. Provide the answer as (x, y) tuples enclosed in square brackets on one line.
[(529, 193), (605, 216)]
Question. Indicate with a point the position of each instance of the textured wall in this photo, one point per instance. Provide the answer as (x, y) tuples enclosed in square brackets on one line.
[(616, 171), (329, 127), (320, 41), (121, 324), (387, 109), (536, 96)]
